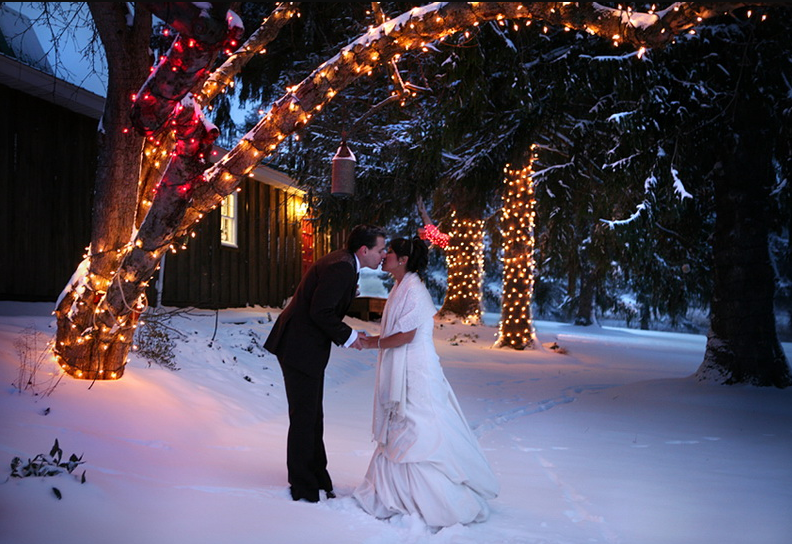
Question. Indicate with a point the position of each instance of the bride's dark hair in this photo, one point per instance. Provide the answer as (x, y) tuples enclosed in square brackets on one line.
[(415, 249)]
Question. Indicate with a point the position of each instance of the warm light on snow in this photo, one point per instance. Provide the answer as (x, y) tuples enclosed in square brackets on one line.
[(612, 442)]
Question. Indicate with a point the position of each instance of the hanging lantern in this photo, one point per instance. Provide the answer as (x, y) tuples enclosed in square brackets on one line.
[(343, 172)]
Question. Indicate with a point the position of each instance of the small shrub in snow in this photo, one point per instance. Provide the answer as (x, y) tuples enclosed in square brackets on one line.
[(154, 339), (462, 338), (47, 465)]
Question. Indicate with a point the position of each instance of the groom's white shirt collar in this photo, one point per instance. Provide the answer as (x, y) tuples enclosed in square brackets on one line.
[(357, 264)]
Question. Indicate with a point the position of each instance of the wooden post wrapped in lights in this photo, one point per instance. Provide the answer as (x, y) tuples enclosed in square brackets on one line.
[(516, 328), (465, 260), (343, 180)]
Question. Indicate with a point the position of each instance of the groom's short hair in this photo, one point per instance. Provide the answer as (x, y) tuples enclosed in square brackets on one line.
[(364, 235)]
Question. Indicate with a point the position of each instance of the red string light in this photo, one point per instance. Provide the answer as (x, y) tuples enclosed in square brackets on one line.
[(434, 236)]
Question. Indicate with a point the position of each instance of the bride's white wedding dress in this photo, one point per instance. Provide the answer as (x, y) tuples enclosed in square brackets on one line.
[(427, 460)]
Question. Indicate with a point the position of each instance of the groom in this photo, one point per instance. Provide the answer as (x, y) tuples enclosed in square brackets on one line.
[(301, 339)]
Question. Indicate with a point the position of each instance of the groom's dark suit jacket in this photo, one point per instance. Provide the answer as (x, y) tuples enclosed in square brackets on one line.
[(302, 334)]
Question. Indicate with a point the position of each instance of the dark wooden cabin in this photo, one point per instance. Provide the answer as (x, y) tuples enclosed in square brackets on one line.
[(48, 150)]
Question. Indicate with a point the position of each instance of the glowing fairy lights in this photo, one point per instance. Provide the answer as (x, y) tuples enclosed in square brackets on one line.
[(100, 307), (85, 314), (516, 328), (434, 235), (465, 260)]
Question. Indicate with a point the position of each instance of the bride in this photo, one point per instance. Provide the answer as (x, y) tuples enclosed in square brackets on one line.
[(427, 461)]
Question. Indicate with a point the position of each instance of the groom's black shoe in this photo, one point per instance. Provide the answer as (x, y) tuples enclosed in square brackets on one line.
[(330, 494), (304, 495)]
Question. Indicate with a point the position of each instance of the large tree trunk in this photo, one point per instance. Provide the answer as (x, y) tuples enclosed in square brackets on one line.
[(465, 260), (97, 312), (646, 314), (85, 348), (742, 345), (585, 302), (516, 328), (584, 314)]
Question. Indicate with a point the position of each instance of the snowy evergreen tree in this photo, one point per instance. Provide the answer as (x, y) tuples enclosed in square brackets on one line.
[(733, 142)]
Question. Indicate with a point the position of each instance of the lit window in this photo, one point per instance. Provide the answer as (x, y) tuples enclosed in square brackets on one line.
[(228, 221)]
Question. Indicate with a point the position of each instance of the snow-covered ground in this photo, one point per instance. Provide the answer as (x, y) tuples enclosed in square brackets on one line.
[(612, 442)]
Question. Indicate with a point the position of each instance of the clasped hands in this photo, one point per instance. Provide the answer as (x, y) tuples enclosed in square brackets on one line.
[(364, 341)]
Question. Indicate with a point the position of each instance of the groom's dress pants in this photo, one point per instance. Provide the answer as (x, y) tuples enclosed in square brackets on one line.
[(306, 459)]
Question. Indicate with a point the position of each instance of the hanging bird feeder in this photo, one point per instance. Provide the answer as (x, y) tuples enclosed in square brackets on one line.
[(343, 172)]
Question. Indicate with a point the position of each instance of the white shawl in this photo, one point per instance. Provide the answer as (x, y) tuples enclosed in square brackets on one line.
[(408, 305)]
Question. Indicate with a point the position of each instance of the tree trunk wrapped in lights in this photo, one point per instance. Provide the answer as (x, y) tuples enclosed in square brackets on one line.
[(97, 313), (465, 262), (115, 200), (516, 328)]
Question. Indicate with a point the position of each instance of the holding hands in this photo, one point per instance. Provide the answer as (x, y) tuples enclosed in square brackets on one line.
[(364, 341), (370, 342), (360, 341)]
